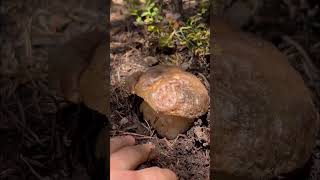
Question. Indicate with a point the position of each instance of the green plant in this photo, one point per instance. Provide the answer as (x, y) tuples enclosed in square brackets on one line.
[(146, 12), (194, 34)]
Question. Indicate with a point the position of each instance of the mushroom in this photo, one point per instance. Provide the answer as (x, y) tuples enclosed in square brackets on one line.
[(166, 125), (172, 99), (77, 70), (265, 123), (93, 82)]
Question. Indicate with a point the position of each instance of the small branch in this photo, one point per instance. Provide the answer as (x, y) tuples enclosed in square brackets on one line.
[(31, 168), (6, 172), (140, 136)]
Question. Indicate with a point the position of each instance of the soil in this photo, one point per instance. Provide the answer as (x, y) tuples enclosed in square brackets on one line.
[(133, 50)]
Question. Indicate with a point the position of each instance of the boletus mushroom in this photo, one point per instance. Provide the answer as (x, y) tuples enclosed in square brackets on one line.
[(172, 99), (265, 123), (93, 81), (77, 70)]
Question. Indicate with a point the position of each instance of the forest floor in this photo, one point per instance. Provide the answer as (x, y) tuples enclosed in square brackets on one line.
[(132, 49), (35, 144)]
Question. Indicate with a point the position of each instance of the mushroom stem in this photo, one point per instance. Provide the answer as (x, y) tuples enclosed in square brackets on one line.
[(166, 125)]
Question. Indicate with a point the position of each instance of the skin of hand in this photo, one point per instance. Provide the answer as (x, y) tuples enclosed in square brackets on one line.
[(125, 157)]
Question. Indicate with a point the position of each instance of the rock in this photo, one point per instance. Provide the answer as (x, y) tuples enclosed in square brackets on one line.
[(265, 122)]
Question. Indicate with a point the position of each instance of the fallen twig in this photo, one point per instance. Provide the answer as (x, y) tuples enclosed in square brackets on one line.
[(37, 175), (140, 136), (6, 172)]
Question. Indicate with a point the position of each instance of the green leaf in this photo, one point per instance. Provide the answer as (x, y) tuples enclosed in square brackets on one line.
[(139, 20), (183, 42), (148, 20), (152, 5), (134, 12), (144, 14), (151, 28), (156, 9), (153, 14)]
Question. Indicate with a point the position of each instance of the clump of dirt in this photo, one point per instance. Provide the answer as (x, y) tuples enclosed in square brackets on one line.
[(133, 50)]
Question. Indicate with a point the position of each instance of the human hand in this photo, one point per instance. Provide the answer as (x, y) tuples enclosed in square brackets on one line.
[(125, 156)]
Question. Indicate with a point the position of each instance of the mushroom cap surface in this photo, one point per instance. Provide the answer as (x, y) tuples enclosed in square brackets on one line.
[(172, 91), (166, 125)]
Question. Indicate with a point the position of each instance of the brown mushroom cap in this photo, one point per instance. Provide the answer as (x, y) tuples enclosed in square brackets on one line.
[(166, 125), (172, 91), (77, 70), (265, 123), (67, 62), (93, 82)]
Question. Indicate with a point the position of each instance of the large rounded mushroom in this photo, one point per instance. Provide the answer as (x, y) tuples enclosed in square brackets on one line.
[(172, 98), (265, 122), (77, 70), (172, 91)]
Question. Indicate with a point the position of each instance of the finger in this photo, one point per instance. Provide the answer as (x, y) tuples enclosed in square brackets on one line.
[(119, 142), (155, 173), (120, 174), (128, 158)]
